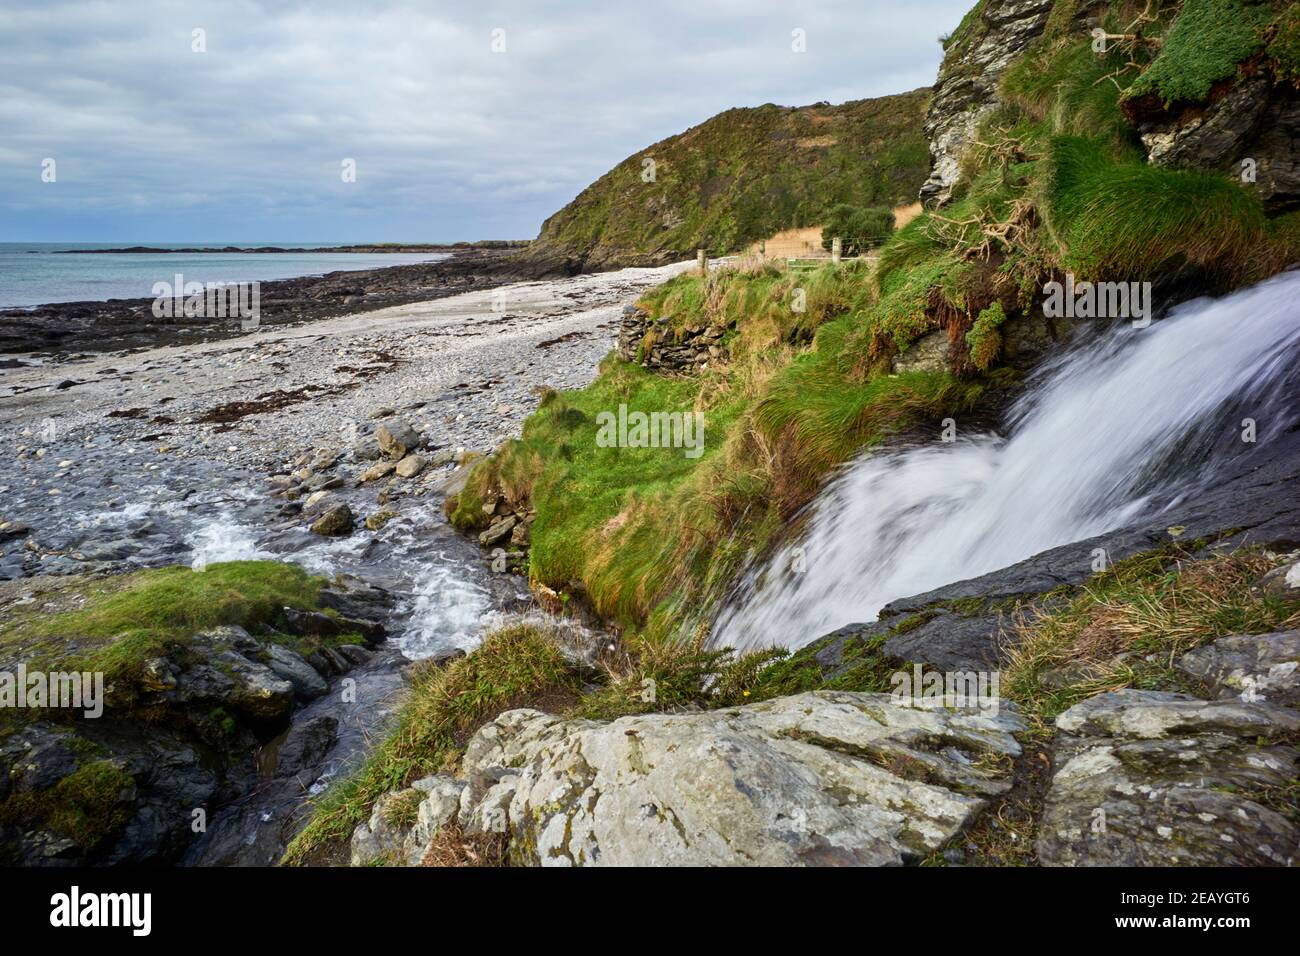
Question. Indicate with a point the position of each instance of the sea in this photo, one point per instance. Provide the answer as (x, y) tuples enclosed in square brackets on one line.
[(39, 273)]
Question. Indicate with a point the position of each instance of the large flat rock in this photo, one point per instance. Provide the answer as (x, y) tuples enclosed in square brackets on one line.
[(818, 778)]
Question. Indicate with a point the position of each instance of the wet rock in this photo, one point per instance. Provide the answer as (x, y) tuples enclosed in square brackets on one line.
[(307, 683), (306, 744), (929, 353), (1255, 667), (323, 483), (1147, 778), (365, 449), (226, 675), (377, 520), (355, 653), (11, 529), (316, 624), (359, 601), (819, 778), (335, 522), (397, 439), (37, 757), (498, 531), (314, 501), (442, 457)]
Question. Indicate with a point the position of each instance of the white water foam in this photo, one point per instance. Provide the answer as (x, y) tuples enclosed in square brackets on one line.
[(1110, 431), (223, 539), (449, 612)]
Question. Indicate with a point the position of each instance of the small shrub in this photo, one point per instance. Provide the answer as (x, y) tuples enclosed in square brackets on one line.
[(859, 228)]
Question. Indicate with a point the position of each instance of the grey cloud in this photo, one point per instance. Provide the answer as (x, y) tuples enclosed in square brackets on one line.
[(244, 142)]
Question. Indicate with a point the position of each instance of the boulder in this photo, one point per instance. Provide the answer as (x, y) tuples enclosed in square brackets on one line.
[(365, 449), (376, 472), (440, 807), (396, 439), (410, 466), (335, 522), (1149, 778), (1283, 582), (818, 778), (498, 531), (382, 838), (315, 500)]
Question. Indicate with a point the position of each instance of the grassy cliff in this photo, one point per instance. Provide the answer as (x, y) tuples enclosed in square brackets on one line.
[(740, 176)]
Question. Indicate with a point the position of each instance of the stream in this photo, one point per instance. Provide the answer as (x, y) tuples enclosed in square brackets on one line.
[(93, 506)]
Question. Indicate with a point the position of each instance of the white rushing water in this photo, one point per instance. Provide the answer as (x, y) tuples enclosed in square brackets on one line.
[(1112, 430)]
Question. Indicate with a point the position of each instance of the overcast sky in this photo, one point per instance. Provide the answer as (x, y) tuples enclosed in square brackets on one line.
[(451, 138)]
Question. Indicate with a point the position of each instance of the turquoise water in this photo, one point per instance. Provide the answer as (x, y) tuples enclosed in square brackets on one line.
[(36, 274)]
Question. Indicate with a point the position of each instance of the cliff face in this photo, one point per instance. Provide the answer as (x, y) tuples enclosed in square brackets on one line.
[(740, 176), (1222, 92), (991, 36)]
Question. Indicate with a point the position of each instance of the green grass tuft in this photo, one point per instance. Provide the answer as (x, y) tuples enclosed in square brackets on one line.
[(124, 620), (514, 667), (86, 806), (1124, 220), (1208, 40)]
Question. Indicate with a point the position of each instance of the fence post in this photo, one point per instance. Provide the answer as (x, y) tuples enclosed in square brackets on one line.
[(702, 259), (836, 248)]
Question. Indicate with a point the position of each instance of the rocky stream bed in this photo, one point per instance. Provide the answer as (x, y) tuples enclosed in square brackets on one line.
[(328, 445)]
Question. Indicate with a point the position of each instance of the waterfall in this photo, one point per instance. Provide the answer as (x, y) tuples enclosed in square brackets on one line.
[(1122, 426)]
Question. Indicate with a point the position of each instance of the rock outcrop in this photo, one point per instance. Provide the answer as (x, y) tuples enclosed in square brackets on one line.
[(990, 38), (813, 779), (178, 742), (1148, 778)]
